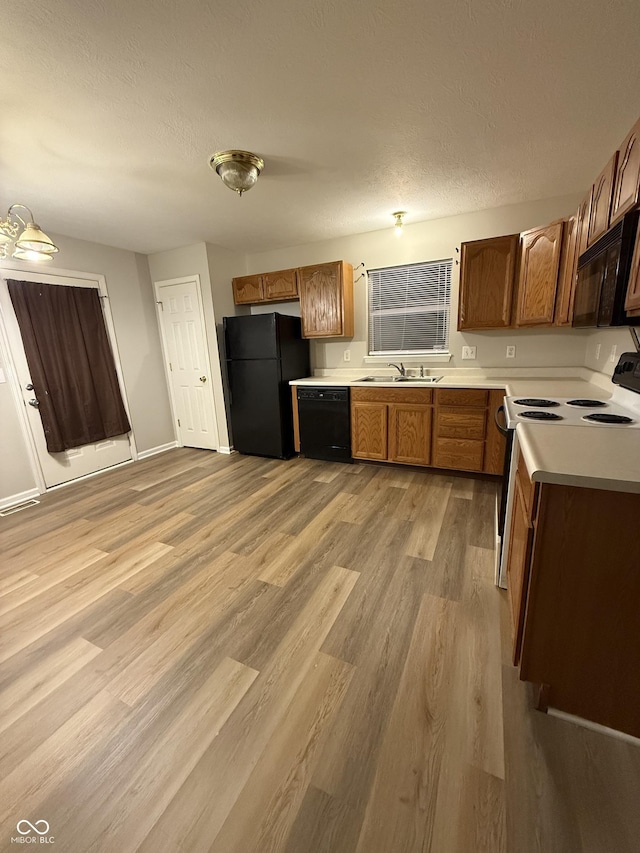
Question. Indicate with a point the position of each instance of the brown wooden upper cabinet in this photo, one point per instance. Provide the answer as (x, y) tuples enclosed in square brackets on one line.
[(626, 186), (326, 300), (276, 286), (248, 289), (582, 225), (540, 252), (487, 276), (601, 194), (280, 285), (632, 301)]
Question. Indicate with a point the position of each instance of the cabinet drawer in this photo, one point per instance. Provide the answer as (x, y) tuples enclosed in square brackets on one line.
[(460, 422), (461, 397), (527, 487), (464, 454), (392, 395)]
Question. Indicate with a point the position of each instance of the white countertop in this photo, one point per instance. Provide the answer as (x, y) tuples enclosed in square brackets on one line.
[(590, 458), (596, 458)]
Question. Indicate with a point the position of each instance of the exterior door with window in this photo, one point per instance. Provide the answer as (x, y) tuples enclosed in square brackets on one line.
[(187, 362), (56, 468)]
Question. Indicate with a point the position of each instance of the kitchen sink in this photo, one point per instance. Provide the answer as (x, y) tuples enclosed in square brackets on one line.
[(426, 379)]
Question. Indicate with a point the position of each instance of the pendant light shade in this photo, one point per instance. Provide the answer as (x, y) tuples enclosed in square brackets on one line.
[(239, 170), (32, 244), (35, 240)]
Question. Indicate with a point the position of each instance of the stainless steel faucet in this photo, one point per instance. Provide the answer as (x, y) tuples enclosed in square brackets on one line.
[(398, 367)]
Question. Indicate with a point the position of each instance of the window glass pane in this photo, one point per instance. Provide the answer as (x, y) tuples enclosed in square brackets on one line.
[(409, 308)]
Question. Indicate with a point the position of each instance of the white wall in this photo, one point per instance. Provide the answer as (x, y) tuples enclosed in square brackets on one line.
[(603, 340), (215, 267), (426, 241), (136, 330)]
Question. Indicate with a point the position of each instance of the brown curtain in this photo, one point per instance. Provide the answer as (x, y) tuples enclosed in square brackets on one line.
[(71, 363)]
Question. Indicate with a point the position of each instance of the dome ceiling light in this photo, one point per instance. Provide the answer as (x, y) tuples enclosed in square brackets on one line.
[(30, 243), (398, 224), (239, 170)]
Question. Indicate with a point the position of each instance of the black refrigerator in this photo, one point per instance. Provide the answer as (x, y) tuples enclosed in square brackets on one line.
[(264, 352)]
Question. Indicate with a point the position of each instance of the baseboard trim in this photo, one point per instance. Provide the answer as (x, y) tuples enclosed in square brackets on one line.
[(19, 498), (226, 449), (594, 727), (153, 451)]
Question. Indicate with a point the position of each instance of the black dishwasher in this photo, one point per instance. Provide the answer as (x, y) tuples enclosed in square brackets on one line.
[(325, 423)]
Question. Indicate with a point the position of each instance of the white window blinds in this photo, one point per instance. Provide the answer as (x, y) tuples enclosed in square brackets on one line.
[(409, 308)]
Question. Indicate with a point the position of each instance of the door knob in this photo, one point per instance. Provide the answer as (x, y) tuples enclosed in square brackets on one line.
[(29, 387), (203, 379), (34, 403)]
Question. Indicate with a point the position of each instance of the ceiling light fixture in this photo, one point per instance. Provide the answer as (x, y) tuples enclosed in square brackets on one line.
[(399, 223), (239, 170), (32, 244)]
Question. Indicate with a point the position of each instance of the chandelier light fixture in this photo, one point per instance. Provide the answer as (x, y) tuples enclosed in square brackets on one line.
[(399, 214), (239, 170), (30, 243)]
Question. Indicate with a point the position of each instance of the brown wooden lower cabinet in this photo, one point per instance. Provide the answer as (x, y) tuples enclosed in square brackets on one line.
[(369, 430), (410, 433), (460, 453), (574, 589)]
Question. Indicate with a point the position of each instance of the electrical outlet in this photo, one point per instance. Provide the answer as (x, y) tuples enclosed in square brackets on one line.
[(468, 352), (612, 354), (511, 352), (347, 355), (598, 348)]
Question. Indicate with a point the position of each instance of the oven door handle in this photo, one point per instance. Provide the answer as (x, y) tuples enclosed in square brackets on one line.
[(503, 429)]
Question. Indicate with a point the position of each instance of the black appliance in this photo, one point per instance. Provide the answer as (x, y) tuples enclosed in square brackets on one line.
[(627, 371), (603, 275), (325, 423), (264, 352)]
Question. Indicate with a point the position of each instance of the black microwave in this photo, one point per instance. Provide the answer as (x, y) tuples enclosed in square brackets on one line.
[(603, 275)]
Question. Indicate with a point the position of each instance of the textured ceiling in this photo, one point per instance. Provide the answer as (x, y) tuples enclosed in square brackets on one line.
[(110, 111)]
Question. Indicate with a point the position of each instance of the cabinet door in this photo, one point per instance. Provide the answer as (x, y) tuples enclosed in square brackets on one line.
[(582, 226), (369, 430), (459, 453), (601, 193), (568, 271), (247, 289), (626, 187), (632, 301), (321, 301), (539, 267), (518, 564), (487, 275), (281, 285), (410, 433)]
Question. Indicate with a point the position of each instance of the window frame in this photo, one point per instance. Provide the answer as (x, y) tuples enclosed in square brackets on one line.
[(444, 354)]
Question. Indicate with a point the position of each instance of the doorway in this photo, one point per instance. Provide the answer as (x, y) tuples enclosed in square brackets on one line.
[(186, 359), (55, 469)]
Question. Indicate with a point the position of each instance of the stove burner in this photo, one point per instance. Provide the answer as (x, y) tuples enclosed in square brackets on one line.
[(540, 416), (536, 401), (587, 404), (603, 418)]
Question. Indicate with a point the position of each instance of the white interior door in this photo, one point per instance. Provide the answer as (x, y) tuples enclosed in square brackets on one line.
[(187, 362), (56, 468)]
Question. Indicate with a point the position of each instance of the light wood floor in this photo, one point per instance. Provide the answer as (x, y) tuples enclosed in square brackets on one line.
[(239, 655)]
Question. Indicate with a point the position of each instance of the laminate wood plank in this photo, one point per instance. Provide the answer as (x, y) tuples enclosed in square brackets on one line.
[(18, 697), (323, 825), (54, 760), (426, 529), (120, 820), (267, 807), (401, 808), (27, 623), (446, 577), (15, 580), (285, 563), (193, 821)]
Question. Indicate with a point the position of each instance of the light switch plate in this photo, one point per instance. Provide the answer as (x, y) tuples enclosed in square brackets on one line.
[(468, 352), (511, 351)]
